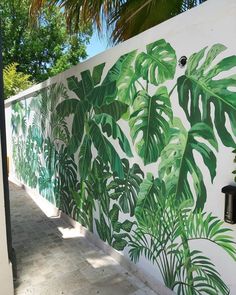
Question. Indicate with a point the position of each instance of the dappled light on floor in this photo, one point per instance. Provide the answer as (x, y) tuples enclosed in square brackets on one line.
[(69, 232), (54, 259)]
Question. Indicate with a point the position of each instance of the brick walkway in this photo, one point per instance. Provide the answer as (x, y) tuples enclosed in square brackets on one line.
[(51, 265)]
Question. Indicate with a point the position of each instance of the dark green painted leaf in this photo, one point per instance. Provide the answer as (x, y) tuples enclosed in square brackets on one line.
[(97, 73), (85, 157), (77, 128), (67, 107), (126, 190), (106, 232), (202, 92), (99, 230), (117, 226), (158, 64), (178, 162), (76, 86), (87, 82), (150, 124), (127, 225), (114, 214), (111, 128), (116, 109), (105, 149), (103, 94), (119, 244)]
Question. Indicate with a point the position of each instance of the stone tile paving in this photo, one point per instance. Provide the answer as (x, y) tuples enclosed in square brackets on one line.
[(51, 265)]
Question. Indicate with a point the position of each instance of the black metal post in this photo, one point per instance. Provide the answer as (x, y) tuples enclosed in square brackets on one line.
[(11, 254)]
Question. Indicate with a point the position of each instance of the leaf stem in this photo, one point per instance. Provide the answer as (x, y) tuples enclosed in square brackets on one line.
[(172, 90)]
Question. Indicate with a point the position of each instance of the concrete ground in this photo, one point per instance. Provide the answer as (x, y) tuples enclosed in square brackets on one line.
[(48, 264)]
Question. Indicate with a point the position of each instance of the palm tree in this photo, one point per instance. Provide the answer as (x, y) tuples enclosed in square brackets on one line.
[(124, 18)]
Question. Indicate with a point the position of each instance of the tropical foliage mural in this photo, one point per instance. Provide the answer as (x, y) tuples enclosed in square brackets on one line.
[(88, 143)]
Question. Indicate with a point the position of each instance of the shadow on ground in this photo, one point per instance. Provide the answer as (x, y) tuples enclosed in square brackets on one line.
[(49, 264)]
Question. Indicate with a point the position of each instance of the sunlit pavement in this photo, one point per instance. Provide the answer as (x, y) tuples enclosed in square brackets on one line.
[(50, 264)]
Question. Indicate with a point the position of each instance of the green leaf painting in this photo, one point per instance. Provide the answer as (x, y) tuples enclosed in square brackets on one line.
[(202, 87), (177, 162), (149, 119), (158, 64), (130, 158)]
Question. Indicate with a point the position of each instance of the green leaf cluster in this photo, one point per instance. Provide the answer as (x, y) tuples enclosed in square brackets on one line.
[(14, 81), (42, 50)]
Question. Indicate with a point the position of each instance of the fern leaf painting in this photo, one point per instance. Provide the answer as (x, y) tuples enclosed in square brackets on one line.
[(163, 236)]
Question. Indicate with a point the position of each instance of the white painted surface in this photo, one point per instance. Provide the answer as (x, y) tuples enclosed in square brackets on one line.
[(212, 22), (6, 280)]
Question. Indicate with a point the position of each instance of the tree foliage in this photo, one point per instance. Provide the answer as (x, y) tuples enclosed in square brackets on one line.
[(45, 49), (14, 81), (124, 19)]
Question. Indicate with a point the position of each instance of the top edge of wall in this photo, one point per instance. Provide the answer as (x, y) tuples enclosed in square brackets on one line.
[(190, 17)]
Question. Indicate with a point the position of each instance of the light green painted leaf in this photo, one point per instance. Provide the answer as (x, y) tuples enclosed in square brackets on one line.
[(105, 149), (116, 109), (203, 91), (158, 64), (150, 189), (119, 68), (150, 124), (126, 78), (111, 128), (85, 157), (97, 73), (178, 163)]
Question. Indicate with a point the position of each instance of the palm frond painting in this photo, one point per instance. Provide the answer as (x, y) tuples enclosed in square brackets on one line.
[(90, 146)]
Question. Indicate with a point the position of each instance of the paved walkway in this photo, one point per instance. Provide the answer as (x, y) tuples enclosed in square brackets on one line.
[(51, 265)]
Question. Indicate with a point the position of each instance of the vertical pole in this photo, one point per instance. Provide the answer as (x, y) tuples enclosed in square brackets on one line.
[(4, 159)]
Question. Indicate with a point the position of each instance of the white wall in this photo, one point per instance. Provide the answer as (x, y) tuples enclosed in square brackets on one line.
[(6, 280)]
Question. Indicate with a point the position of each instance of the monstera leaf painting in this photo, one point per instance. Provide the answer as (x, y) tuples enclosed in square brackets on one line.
[(203, 90), (151, 117), (100, 188), (126, 190), (149, 126), (158, 64), (95, 114), (177, 162)]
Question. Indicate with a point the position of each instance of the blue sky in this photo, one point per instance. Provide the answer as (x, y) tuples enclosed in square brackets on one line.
[(96, 45)]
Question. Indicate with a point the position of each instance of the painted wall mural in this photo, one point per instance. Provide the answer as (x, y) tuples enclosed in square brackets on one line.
[(78, 143)]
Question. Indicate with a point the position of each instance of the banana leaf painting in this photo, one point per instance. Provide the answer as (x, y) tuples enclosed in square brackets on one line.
[(89, 146)]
